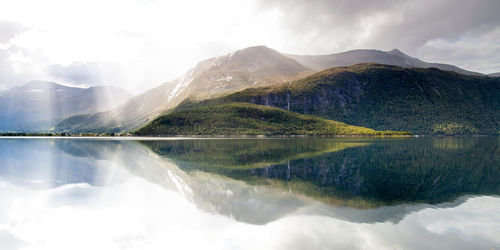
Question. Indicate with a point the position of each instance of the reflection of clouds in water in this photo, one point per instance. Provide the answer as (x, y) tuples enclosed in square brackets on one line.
[(38, 164), (471, 219), (116, 217), (136, 214)]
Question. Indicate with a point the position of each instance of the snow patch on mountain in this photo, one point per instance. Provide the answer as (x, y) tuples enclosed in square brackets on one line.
[(183, 82)]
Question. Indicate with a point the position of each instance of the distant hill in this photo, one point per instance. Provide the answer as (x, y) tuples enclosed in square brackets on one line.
[(394, 57), (251, 67), (494, 74), (383, 97), (39, 105), (247, 119)]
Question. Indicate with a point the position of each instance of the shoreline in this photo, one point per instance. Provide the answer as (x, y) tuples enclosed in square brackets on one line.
[(174, 137)]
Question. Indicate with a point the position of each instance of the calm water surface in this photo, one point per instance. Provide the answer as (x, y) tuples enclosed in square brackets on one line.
[(413, 193)]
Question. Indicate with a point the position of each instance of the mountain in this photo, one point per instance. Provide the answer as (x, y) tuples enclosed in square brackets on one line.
[(247, 119), (383, 97), (250, 67), (394, 57), (494, 74), (39, 105)]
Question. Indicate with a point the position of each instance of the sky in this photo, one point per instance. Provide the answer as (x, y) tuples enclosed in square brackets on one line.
[(139, 44)]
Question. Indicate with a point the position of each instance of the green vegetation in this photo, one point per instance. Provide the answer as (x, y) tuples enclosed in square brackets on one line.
[(382, 97), (454, 128), (248, 119)]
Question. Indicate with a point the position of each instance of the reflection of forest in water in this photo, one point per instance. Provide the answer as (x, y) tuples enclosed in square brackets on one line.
[(355, 172)]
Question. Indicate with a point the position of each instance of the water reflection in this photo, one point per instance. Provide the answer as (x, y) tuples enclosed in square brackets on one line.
[(39, 164), (357, 173), (217, 194)]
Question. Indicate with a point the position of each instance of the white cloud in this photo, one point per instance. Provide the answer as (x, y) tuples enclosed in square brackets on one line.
[(146, 43), (149, 42)]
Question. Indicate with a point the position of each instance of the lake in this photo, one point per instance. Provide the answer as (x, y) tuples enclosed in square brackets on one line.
[(308, 193)]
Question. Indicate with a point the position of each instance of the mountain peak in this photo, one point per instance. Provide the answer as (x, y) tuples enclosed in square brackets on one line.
[(254, 51), (254, 59), (397, 52), (257, 48)]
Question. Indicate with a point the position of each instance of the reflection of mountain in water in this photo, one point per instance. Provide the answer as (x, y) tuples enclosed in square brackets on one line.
[(430, 170), (386, 171), (135, 159), (37, 164), (245, 153)]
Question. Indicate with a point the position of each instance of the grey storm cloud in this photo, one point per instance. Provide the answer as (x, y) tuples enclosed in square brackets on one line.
[(393, 23), (469, 29)]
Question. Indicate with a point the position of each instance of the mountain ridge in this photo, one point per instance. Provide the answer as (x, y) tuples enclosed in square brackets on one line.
[(393, 57), (250, 67)]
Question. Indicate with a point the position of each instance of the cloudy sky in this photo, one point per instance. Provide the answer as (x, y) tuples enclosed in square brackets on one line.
[(138, 44)]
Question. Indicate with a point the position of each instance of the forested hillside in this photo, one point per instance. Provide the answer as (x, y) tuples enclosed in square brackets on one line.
[(382, 97)]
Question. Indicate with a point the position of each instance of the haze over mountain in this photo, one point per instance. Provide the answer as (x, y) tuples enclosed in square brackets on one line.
[(494, 74), (251, 67), (38, 105)]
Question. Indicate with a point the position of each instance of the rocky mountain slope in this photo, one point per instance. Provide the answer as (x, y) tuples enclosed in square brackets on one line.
[(250, 67)]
